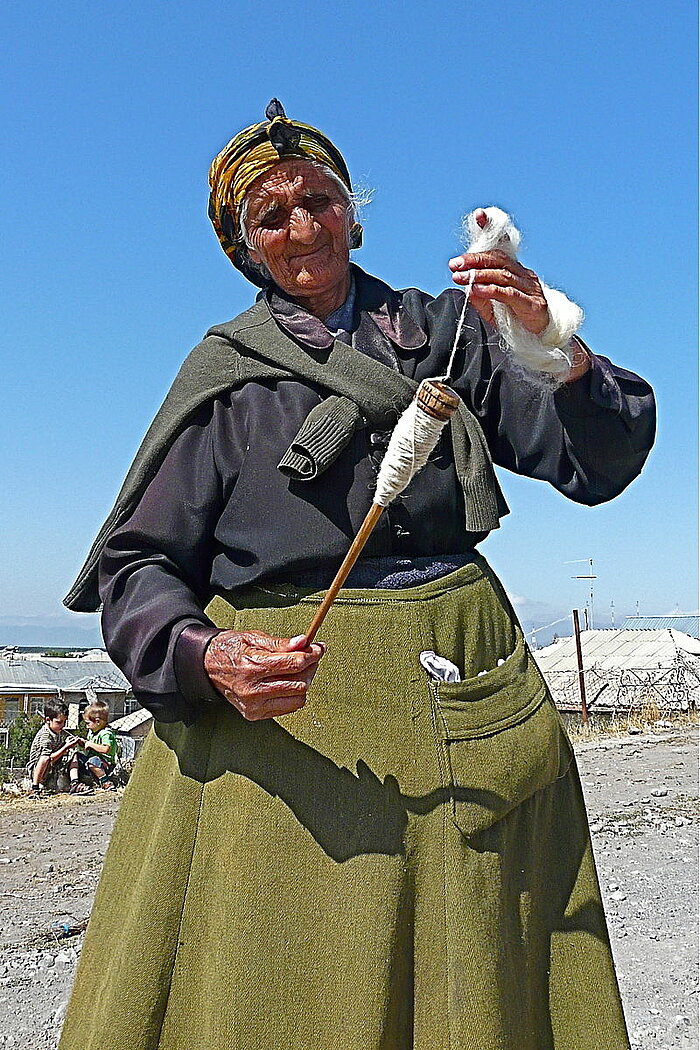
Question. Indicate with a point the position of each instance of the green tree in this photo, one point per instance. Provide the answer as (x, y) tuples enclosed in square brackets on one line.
[(22, 732)]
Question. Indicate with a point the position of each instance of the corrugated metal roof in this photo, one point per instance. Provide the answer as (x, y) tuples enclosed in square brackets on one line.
[(71, 675), (617, 649), (686, 624), (129, 722)]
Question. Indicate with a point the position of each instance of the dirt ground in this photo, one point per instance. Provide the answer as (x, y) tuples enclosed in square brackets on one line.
[(642, 795)]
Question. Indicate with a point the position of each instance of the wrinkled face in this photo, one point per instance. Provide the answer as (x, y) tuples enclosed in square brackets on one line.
[(297, 225)]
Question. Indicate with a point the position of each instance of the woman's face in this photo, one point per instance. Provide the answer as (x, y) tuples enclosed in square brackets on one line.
[(297, 225)]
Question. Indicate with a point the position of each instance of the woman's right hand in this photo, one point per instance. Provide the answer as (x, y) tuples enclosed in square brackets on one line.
[(261, 676)]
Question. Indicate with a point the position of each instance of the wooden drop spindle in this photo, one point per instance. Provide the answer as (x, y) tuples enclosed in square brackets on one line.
[(436, 399)]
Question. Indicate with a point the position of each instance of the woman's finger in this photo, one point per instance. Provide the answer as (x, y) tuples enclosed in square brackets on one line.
[(488, 261), (254, 710), (531, 311), (506, 278), (261, 664)]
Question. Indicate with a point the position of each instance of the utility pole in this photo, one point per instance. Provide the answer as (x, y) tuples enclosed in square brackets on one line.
[(579, 660)]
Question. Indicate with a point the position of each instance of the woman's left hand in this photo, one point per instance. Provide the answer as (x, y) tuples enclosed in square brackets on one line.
[(498, 278)]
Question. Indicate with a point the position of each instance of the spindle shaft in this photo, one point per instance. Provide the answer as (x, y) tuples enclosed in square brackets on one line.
[(373, 516)]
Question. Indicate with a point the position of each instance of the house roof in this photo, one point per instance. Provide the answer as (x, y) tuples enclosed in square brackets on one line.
[(129, 722), (685, 624), (50, 675), (618, 649)]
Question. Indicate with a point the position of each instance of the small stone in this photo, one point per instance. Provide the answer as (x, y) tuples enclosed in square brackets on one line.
[(634, 730), (59, 1014), (619, 896), (612, 886), (660, 792)]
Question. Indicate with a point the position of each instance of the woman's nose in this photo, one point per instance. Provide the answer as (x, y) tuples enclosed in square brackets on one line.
[(302, 226)]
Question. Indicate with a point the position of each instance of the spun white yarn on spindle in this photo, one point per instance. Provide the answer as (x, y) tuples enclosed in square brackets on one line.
[(549, 352), (414, 437)]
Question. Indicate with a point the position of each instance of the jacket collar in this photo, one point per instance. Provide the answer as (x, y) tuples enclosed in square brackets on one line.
[(375, 301)]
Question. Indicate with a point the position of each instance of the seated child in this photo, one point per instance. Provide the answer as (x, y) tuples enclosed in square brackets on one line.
[(49, 747), (100, 750)]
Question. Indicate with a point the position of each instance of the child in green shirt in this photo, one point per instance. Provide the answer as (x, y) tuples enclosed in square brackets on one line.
[(99, 750)]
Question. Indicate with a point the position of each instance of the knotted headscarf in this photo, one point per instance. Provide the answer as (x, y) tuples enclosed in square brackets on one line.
[(250, 154)]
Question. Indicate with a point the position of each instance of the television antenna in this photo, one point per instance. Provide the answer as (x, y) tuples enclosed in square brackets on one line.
[(590, 575)]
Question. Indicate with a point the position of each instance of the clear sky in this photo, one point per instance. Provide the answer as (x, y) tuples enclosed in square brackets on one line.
[(578, 118)]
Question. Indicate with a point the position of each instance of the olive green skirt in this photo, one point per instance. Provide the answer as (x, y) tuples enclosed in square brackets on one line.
[(400, 865)]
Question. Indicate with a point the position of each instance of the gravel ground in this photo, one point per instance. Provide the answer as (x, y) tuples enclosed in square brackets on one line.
[(642, 794)]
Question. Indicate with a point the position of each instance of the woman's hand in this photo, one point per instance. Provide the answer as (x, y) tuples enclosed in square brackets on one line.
[(261, 676), (499, 278)]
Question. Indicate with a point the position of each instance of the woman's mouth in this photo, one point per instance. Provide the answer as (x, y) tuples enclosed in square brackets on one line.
[(302, 257)]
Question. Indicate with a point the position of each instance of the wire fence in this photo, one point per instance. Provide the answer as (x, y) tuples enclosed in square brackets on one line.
[(621, 690)]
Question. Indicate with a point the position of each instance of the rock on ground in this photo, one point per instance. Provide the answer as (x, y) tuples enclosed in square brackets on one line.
[(642, 796)]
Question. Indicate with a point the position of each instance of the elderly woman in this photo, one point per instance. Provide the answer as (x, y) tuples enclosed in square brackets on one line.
[(324, 845)]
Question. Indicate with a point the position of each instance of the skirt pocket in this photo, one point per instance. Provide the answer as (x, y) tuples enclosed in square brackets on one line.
[(502, 738)]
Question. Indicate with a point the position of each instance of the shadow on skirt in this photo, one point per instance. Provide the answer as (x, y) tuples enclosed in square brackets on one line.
[(400, 865)]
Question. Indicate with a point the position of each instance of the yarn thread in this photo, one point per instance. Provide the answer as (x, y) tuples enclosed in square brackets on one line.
[(549, 353), (413, 439)]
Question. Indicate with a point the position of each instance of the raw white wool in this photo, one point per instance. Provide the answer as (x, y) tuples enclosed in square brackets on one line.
[(499, 232), (551, 352)]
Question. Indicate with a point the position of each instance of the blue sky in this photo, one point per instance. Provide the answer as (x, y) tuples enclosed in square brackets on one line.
[(577, 118)]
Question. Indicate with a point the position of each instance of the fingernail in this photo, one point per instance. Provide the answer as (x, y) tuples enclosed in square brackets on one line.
[(298, 639)]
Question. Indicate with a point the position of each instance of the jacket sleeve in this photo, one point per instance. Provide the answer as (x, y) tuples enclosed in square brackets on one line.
[(155, 570), (589, 439)]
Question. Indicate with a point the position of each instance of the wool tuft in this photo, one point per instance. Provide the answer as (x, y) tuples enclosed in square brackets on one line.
[(551, 352)]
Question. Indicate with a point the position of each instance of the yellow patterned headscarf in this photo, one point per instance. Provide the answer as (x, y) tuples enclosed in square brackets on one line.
[(250, 154)]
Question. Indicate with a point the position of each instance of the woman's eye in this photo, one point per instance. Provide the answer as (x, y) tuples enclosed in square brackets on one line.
[(317, 203), (273, 220)]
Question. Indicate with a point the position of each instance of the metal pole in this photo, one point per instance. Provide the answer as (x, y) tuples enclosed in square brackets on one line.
[(579, 659)]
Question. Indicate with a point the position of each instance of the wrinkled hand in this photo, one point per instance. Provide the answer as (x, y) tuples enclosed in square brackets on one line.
[(261, 676), (498, 278)]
